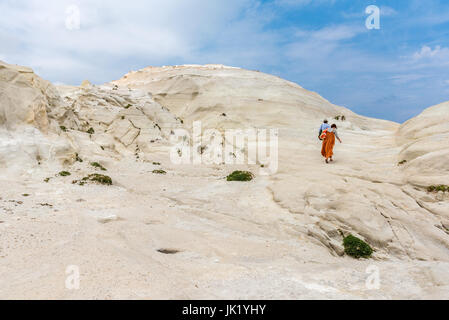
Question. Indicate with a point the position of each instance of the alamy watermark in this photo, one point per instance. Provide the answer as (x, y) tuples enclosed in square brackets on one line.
[(72, 281), (73, 18), (231, 147), (373, 280), (373, 20)]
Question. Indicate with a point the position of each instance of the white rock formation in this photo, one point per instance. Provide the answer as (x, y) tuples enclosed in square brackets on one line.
[(27, 132), (278, 236)]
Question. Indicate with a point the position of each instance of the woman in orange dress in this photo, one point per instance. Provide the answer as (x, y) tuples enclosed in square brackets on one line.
[(329, 142)]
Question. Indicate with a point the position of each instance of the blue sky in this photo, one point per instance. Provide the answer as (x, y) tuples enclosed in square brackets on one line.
[(323, 45)]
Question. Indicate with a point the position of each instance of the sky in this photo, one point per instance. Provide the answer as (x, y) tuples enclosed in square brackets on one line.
[(393, 72)]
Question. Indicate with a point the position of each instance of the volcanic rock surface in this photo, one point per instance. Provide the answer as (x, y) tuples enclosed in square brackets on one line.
[(190, 234)]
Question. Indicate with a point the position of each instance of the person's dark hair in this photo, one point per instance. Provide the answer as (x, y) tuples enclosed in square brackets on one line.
[(325, 121), (334, 126)]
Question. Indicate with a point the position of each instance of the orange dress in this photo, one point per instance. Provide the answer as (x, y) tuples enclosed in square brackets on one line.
[(328, 145)]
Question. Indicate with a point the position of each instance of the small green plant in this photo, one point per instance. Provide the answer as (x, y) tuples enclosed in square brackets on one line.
[(98, 166), (356, 247), (442, 187), (156, 163), (159, 172), (99, 178), (25, 195), (63, 128), (91, 131), (47, 180), (128, 106), (402, 162), (65, 174), (337, 118), (343, 118), (240, 176), (78, 159), (81, 183)]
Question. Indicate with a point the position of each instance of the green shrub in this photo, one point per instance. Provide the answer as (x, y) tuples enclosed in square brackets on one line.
[(156, 163), (402, 162), (438, 188), (128, 106), (63, 128), (240, 176), (78, 159), (159, 172), (91, 131), (356, 247), (101, 179), (65, 174), (99, 166)]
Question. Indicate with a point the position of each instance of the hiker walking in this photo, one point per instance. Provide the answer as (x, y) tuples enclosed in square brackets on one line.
[(323, 127), (328, 136)]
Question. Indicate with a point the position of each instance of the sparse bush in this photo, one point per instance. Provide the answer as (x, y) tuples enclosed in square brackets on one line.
[(159, 172), (95, 177), (128, 106), (63, 128), (356, 247), (240, 176), (402, 162), (98, 166), (438, 188), (78, 159), (65, 174), (156, 163), (91, 131), (47, 180)]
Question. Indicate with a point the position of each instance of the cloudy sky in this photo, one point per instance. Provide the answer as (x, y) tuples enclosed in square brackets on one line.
[(323, 45)]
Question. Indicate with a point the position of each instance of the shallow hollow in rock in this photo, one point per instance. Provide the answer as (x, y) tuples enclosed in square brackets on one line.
[(168, 251)]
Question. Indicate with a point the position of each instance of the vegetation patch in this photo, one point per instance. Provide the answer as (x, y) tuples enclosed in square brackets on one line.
[(98, 166), (25, 195), (63, 128), (128, 106), (402, 162), (91, 131), (99, 178), (156, 163), (65, 174), (47, 180), (356, 247), (240, 176), (159, 172), (78, 159), (438, 188)]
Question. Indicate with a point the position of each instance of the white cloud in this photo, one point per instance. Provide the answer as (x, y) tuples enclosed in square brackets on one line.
[(113, 31), (429, 53), (386, 11), (406, 78)]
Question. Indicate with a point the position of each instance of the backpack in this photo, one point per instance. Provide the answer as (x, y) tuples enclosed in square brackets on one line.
[(323, 134)]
